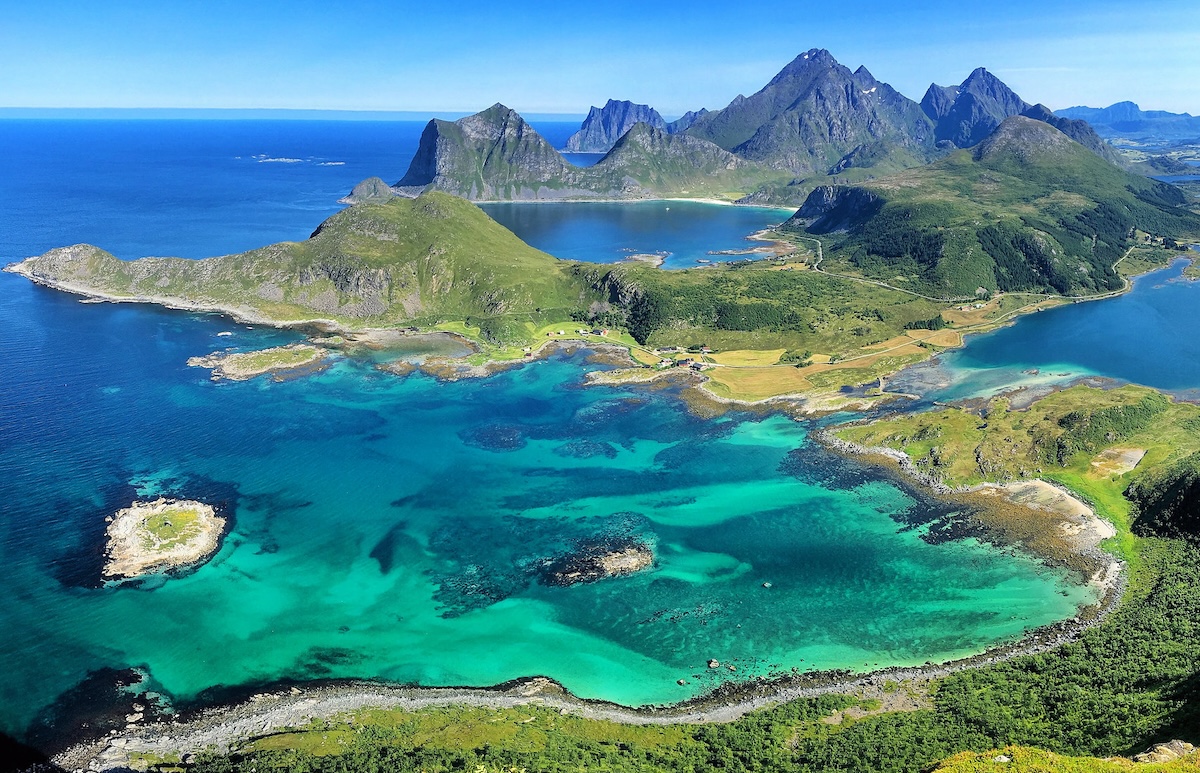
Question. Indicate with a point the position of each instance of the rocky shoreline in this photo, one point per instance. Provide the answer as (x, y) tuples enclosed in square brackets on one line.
[(229, 727), (163, 535)]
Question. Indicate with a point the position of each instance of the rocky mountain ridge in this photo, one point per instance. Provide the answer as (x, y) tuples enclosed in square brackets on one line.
[(815, 122), (605, 125)]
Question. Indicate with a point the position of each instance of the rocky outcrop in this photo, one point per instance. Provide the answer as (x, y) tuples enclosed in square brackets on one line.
[(1165, 752), (831, 208), (166, 534), (605, 125), (598, 560), (370, 189)]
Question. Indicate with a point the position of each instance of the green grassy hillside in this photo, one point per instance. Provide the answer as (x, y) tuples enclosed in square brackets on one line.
[(420, 261), (1027, 209)]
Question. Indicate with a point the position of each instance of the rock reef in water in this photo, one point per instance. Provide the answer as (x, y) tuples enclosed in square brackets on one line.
[(598, 560), (152, 537)]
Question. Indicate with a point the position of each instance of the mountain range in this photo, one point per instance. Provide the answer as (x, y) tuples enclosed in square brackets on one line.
[(1126, 119), (1028, 208), (815, 122)]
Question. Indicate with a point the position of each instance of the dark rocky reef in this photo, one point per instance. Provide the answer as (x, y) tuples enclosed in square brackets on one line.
[(599, 559)]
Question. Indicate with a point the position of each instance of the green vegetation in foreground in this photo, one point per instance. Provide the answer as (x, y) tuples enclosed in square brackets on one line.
[(1027, 209), (1125, 684), (1020, 759)]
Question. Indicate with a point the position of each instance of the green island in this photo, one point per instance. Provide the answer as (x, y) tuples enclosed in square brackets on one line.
[(879, 272), (239, 366)]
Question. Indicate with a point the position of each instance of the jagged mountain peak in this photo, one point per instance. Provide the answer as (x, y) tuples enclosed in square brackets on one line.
[(864, 76), (967, 113), (605, 125), (811, 61), (815, 112)]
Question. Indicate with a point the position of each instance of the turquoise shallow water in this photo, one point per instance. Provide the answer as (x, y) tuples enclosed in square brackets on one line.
[(1142, 337), (392, 527)]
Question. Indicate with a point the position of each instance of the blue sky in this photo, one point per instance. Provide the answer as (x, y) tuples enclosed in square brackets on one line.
[(541, 57)]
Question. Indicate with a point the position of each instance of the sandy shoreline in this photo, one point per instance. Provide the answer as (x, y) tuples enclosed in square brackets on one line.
[(650, 200)]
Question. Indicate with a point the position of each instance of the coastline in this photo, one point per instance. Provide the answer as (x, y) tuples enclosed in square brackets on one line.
[(275, 709), (280, 707), (648, 199), (723, 705)]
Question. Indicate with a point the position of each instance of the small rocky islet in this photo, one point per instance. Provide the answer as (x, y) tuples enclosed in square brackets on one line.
[(160, 536)]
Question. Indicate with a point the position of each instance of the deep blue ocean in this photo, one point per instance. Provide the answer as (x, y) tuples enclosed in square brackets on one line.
[(392, 527)]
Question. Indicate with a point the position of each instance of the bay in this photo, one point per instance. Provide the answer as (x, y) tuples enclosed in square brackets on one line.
[(394, 527), (1141, 337)]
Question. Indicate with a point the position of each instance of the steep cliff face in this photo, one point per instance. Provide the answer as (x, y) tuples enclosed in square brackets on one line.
[(492, 155), (496, 156), (605, 125), (965, 115), (814, 114), (832, 208)]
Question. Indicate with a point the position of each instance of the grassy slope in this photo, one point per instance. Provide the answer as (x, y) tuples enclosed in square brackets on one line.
[(962, 449), (419, 261), (1028, 186)]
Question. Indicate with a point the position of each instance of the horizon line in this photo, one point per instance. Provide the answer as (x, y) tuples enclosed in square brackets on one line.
[(288, 113)]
